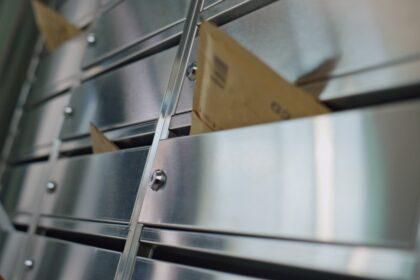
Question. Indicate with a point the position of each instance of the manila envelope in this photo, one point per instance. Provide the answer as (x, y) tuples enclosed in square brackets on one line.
[(234, 88), (100, 143), (55, 28)]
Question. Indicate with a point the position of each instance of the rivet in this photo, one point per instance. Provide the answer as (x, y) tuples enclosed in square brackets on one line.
[(51, 186), (29, 264), (91, 39), (192, 71), (157, 180), (68, 111)]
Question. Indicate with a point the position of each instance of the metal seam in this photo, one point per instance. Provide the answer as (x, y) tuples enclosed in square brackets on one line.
[(127, 260)]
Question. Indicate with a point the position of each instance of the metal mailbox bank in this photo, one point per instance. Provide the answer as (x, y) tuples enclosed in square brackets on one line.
[(335, 196)]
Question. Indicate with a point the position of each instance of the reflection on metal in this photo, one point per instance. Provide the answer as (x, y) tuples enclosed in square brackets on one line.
[(133, 21), (345, 177), (96, 187), (351, 260), (38, 127), (157, 270), (10, 245), (67, 259), (112, 100), (5, 223), (220, 10), (19, 186), (58, 71)]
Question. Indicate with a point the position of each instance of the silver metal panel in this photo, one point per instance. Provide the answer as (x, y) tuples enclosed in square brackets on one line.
[(129, 95), (346, 177), (10, 248), (55, 259), (57, 71), (18, 187), (38, 127), (86, 227), (132, 21), (305, 41), (79, 12), (220, 10), (157, 270), (378, 263), (96, 187)]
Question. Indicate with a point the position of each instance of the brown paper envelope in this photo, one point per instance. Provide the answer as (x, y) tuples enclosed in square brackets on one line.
[(54, 28), (100, 144), (234, 88)]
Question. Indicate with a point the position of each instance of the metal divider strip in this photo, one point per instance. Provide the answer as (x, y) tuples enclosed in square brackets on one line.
[(53, 157), (5, 222), (127, 260)]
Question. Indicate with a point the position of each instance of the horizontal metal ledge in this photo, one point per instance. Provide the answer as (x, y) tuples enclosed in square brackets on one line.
[(359, 261), (113, 230), (341, 178), (158, 270)]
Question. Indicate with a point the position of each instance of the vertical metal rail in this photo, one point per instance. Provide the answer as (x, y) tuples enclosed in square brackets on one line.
[(42, 190), (127, 260), (5, 222)]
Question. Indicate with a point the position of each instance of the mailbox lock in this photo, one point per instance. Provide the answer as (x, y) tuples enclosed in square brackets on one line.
[(157, 179)]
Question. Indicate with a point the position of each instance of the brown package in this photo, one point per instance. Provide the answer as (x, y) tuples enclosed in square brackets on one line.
[(234, 88), (54, 28), (100, 144)]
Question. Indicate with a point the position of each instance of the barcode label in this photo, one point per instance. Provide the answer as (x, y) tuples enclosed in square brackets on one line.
[(279, 110), (220, 71)]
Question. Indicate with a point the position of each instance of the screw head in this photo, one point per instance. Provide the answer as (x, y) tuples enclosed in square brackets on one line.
[(192, 71), (51, 186), (91, 39), (29, 264), (157, 180), (68, 111)]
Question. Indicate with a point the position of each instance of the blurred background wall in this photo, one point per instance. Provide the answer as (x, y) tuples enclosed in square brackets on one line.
[(18, 35)]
